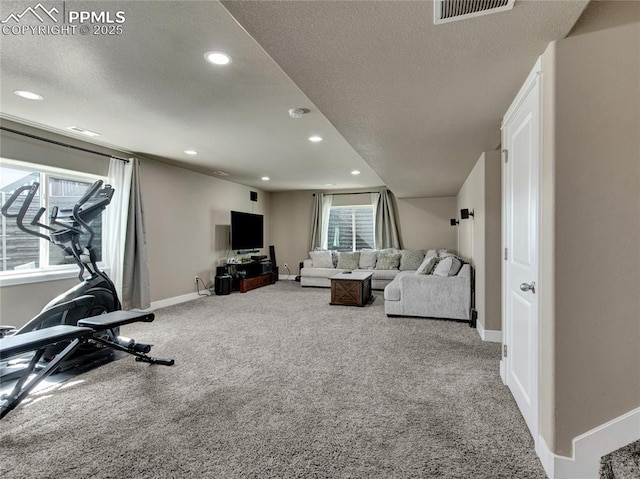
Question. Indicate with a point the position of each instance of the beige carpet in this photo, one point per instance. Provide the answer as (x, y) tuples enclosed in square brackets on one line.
[(277, 383)]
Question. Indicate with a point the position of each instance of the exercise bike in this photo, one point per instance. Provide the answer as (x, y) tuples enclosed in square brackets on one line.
[(95, 295)]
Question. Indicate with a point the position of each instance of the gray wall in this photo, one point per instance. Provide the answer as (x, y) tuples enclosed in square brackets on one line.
[(591, 209), (479, 236), (422, 223), (187, 220)]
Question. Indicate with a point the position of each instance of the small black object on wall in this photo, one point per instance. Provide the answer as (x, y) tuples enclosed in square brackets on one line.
[(253, 195), (465, 213)]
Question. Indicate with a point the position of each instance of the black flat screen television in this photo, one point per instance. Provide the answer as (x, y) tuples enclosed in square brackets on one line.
[(247, 231)]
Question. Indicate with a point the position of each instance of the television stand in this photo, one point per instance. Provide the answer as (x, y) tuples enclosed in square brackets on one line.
[(250, 275), (247, 284)]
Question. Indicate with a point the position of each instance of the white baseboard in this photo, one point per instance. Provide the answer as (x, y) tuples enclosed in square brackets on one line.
[(163, 303), (589, 447), (503, 371), (286, 277), (488, 334)]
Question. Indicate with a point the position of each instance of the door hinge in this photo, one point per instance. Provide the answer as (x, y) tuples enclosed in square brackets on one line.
[(506, 254), (504, 350), (505, 154)]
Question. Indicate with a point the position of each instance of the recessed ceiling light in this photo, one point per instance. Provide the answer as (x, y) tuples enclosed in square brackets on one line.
[(355, 172), (191, 152), (331, 184), (29, 95), (218, 58), (82, 131), (220, 173), (315, 138), (265, 178)]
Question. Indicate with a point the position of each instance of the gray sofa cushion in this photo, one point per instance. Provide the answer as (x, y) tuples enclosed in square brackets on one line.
[(349, 260), (321, 259), (368, 259), (388, 261), (411, 259), (430, 296)]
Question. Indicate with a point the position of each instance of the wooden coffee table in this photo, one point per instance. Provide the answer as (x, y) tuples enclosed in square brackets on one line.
[(351, 289)]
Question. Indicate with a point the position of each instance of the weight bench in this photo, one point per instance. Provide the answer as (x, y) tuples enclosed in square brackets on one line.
[(86, 331), (37, 341), (106, 322)]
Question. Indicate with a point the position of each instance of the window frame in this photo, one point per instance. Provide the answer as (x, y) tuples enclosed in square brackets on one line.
[(48, 272), (353, 224)]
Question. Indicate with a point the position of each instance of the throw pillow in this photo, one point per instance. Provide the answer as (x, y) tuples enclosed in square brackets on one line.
[(427, 264), (411, 259), (368, 259), (430, 253), (448, 266), (349, 260), (321, 259), (335, 256), (388, 261)]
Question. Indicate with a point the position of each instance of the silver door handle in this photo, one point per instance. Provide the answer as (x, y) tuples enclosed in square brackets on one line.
[(528, 287)]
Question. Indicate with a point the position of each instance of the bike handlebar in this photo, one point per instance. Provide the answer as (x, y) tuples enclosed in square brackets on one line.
[(20, 215), (93, 189)]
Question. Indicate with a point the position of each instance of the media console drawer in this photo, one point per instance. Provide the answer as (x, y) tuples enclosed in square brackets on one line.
[(247, 284)]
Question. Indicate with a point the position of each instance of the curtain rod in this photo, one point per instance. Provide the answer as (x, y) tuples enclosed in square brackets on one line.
[(59, 143), (356, 193)]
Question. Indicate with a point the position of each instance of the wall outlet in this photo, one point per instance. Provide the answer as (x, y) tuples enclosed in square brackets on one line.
[(286, 265)]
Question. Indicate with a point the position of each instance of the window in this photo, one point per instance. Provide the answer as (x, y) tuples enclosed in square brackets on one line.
[(351, 228), (22, 252)]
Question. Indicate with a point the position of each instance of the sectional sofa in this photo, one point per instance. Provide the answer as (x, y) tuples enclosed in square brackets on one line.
[(420, 283)]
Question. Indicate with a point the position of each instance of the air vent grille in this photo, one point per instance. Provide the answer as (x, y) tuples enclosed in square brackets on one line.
[(452, 10)]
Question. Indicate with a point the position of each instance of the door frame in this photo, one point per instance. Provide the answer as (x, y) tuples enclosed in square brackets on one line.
[(534, 80)]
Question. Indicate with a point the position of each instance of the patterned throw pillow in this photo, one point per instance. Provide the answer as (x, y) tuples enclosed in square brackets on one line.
[(335, 257), (388, 261), (349, 260), (368, 259), (411, 259), (447, 266), (321, 259), (427, 264)]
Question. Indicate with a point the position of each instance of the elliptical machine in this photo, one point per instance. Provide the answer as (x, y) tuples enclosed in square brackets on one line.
[(96, 293)]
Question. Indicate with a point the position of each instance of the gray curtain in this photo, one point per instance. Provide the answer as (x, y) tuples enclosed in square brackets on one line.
[(135, 276), (316, 222), (386, 227)]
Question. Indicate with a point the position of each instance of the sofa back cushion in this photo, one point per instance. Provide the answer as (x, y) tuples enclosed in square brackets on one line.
[(349, 260), (411, 259), (321, 259), (388, 261), (368, 259)]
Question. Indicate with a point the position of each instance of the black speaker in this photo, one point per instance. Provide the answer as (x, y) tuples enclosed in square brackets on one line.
[(223, 284), (253, 196), (272, 255)]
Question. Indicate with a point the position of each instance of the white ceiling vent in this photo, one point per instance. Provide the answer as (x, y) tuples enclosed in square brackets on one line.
[(445, 11)]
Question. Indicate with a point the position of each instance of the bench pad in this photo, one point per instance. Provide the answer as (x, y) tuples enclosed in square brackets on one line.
[(40, 338), (115, 319)]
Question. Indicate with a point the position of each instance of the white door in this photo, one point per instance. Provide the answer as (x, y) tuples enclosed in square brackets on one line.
[(521, 140)]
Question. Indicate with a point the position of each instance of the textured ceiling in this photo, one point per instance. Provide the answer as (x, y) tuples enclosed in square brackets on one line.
[(418, 101), (409, 104)]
